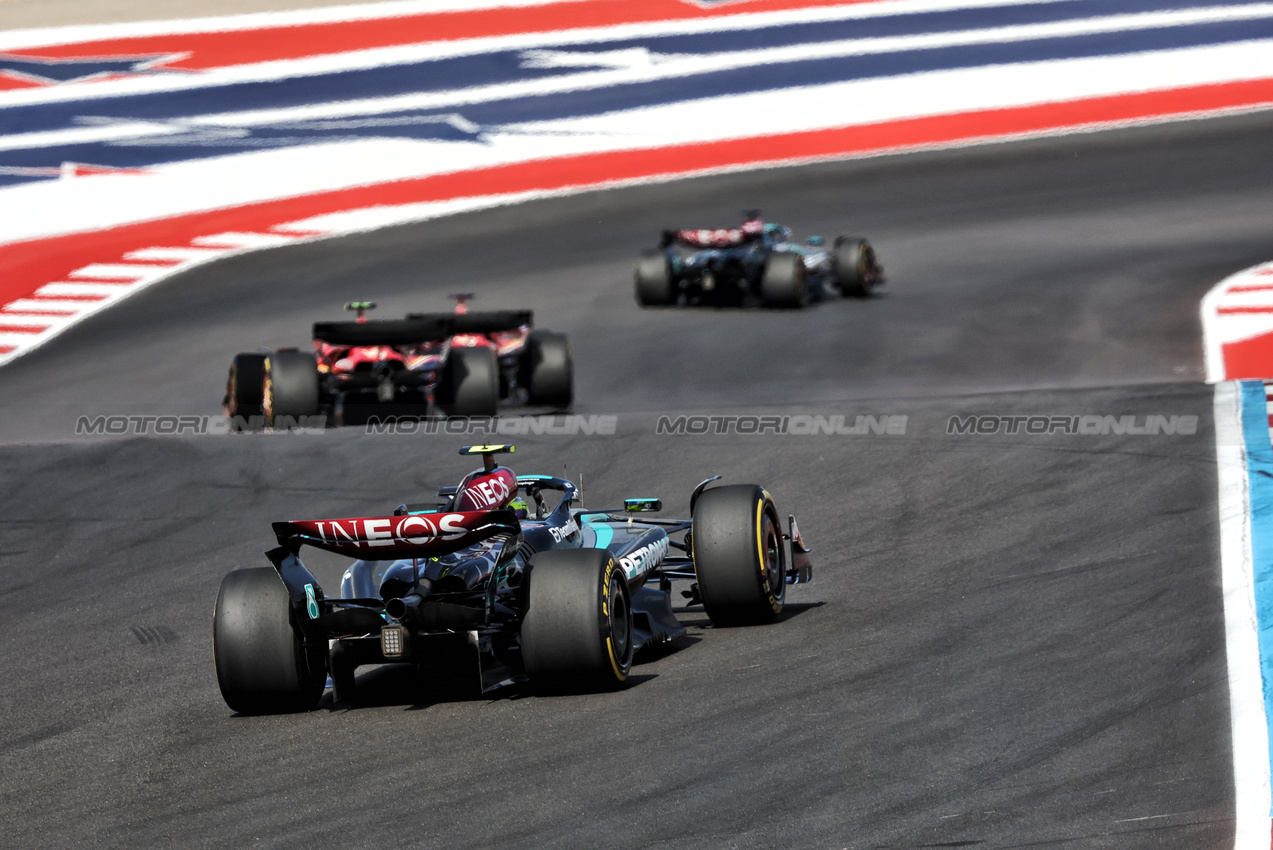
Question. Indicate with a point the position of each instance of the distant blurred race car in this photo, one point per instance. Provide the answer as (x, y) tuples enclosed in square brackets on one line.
[(461, 364), (506, 580), (756, 262)]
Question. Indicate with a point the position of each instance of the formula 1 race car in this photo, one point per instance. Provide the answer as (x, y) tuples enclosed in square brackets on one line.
[(496, 585), (757, 263), (462, 363)]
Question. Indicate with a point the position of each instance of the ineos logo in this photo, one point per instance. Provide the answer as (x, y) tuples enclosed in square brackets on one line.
[(491, 491), (426, 527), (413, 530), (713, 238)]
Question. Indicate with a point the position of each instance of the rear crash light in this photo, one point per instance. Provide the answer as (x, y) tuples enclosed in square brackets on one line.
[(393, 641)]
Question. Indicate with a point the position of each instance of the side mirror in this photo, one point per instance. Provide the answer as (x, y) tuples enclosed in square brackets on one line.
[(642, 505)]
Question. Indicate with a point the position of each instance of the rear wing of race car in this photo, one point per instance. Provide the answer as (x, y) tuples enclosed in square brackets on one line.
[(720, 238), (411, 331), (485, 322), (419, 328), (411, 535)]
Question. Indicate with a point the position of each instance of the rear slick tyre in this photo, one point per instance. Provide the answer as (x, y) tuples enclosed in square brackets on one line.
[(245, 392), (548, 370), (739, 560), (290, 389), (261, 664), (577, 631), (653, 282), (783, 283), (469, 384)]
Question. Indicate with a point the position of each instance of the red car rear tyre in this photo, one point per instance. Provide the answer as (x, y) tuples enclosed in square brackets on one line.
[(291, 388), (548, 370), (245, 392), (469, 383)]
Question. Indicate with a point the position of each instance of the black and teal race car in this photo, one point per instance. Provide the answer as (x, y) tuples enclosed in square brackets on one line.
[(506, 580), (757, 262)]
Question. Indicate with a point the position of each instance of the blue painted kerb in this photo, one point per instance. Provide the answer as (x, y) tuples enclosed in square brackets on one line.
[(1259, 470)]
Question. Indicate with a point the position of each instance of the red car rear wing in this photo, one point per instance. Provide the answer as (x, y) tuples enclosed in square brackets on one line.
[(484, 322), (386, 331), (389, 538), (420, 328)]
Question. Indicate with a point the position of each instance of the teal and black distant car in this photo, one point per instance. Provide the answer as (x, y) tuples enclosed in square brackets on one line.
[(755, 263)]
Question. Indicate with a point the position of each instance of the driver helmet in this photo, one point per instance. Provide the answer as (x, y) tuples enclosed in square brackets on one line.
[(518, 506), (777, 232)]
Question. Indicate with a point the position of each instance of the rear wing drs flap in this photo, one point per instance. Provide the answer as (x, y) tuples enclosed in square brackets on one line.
[(385, 331), (484, 322), (419, 328), (720, 238)]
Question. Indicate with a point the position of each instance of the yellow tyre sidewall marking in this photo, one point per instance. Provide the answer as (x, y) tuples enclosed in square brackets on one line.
[(267, 394), (760, 551), (605, 608), (760, 539)]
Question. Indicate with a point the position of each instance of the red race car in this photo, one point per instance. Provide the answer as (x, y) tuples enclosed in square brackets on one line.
[(460, 364)]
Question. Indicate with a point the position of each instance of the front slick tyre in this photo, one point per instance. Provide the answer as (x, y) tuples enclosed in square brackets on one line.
[(261, 663), (856, 270), (577, 631), (738, 555)]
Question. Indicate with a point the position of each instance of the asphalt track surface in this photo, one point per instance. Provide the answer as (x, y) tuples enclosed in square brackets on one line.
[(1011, 640)]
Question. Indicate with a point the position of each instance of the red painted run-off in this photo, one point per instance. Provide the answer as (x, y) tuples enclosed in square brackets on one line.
[(1249, 359), (25, 266), (219, 49)]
